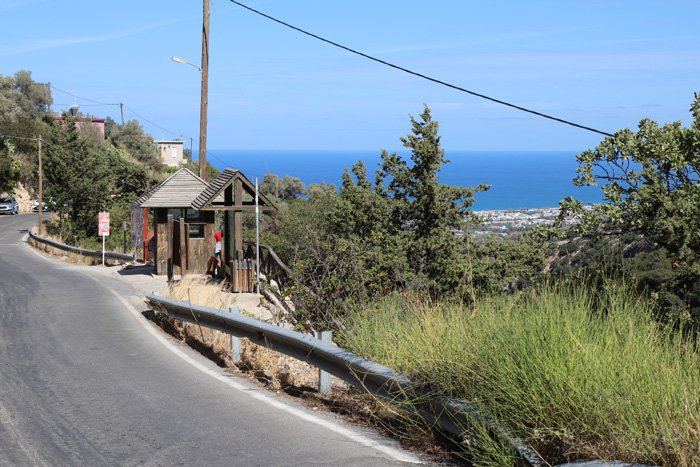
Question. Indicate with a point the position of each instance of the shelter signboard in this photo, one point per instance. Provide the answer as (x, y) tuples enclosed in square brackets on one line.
[(103, 225)]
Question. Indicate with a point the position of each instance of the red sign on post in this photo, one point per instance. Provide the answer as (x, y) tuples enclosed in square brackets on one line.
[(104, 224)]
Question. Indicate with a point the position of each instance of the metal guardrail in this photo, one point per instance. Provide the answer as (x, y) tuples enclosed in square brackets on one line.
[(82, 251), (452, 415)]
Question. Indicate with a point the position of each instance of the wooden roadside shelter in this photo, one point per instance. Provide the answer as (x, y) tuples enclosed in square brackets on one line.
[(234, 194), (184, 236)]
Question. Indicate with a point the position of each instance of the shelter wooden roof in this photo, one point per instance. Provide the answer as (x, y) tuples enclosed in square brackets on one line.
[(212, 199), (177, 191)]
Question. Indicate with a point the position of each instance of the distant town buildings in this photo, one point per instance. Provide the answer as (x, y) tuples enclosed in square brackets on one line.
[(503, 222)]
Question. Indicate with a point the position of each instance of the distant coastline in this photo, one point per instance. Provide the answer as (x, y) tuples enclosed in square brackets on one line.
[(518, 179)]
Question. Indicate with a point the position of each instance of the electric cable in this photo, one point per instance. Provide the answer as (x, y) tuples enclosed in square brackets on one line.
[(138, 115), (19, 137), (81, 105), (81, 98), (209, 154), (154, 124), (121, 103), (421, 75)]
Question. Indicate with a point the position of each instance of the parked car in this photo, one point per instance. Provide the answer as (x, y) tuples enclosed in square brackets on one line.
[(45, 207), (8, 205)]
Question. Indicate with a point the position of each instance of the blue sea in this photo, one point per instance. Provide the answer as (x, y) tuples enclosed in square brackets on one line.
[(518, 179)]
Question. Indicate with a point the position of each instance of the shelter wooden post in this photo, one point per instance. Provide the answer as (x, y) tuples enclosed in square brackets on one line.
[(183, 247), (238, 217), (234, 275), (169, 242), (145, 234), (227, 235)]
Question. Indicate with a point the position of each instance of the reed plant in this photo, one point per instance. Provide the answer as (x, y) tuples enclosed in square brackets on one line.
[(578, 372)]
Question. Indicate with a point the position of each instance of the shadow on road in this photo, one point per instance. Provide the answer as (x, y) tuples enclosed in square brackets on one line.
[(137, 270)]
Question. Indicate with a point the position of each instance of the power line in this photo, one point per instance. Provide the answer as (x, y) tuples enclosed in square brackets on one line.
[(82, 105), (421, 75), (211, 155), (107, 103), (19, 137), (154, 124), (82, 98)]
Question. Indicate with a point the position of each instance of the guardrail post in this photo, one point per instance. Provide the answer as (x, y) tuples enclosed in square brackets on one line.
[(235, 341), (324, 379)]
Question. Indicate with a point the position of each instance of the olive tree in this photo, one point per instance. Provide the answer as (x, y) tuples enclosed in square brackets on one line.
[(649, 180)]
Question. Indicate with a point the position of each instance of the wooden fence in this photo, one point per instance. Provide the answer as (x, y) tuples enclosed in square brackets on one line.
[(270, 265), (242, 271)]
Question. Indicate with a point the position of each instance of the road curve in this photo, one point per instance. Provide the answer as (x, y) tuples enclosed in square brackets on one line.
[(86, 380)]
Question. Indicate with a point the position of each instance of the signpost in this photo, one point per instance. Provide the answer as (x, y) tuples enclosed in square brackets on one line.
[(124, 229), (103, 228)]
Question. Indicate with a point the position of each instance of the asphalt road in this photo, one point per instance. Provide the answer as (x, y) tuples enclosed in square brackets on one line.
[(86, 380)]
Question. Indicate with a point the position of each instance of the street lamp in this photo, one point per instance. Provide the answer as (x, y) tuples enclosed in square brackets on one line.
[(179, 60), (202, 118)]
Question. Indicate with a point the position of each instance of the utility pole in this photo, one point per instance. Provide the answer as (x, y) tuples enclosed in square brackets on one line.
[(41, 189), (257, 239), (122, 107), (49, 96), (205, 90)]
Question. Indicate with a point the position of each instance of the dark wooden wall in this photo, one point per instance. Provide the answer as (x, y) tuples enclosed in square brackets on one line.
[(199, 249)]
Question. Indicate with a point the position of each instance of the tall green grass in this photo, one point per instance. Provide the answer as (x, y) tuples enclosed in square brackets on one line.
[(577, 372)]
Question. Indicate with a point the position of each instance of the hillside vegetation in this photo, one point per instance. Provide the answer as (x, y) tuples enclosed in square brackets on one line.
[(84, 172)]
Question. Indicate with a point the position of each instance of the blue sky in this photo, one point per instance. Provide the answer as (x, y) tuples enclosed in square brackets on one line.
[(602, 64)]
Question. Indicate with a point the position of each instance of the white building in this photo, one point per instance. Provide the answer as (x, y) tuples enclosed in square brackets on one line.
[(171, 153)]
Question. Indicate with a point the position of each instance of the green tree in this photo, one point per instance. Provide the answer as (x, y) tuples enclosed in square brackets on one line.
[(111, 128), (10, 168), (282, 189), (22, 98), (316, 190), (76, 178), (395, 233), (650, 184), (131, 137), (24, 114), (429, 210), (370, 239), (83, 178)]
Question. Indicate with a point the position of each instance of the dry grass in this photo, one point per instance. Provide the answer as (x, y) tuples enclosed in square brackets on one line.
[(578, 372), (270, 367)]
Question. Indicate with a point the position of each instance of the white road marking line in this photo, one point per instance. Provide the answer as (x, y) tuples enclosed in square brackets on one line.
[(393, 453)]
